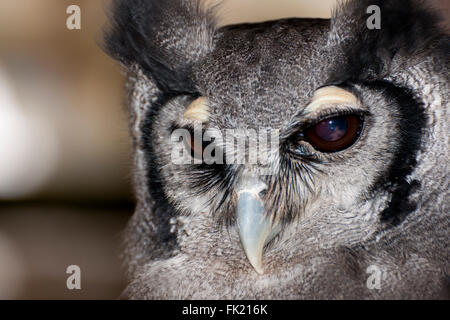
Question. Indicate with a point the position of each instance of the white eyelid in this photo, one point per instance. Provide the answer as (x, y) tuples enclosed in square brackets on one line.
[(330, 95), (198, 110)]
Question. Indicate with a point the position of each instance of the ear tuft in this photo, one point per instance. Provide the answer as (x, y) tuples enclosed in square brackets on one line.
[(163, 37), (407, 26)]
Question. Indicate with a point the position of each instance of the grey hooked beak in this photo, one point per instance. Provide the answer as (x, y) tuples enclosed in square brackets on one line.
[(255, 228)]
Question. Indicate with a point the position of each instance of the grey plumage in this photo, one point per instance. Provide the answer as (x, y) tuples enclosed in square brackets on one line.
[(381, 202)]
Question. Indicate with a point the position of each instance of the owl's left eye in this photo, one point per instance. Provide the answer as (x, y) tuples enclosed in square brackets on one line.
[(196, 148), (335, 133)]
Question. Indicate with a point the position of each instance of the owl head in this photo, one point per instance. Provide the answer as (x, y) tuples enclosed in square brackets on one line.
[(284, 159)]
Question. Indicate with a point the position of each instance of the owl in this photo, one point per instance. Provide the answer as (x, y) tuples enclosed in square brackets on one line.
[(351, 200)]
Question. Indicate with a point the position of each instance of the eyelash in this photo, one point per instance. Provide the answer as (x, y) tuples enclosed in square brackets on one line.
[(330, 113)]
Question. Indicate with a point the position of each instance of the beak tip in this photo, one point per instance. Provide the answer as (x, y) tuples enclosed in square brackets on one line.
[(257, 265), (259, 270)]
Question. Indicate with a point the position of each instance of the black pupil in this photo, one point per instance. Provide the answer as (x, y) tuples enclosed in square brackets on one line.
[(332, 129)]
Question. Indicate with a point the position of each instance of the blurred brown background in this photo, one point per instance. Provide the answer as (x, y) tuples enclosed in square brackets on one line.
[(64, 153)]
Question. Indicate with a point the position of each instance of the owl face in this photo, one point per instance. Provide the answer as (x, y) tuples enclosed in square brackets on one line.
[(346, 127), (335, 140)]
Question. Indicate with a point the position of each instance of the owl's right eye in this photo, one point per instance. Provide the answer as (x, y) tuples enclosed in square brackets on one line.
[(335, 133), (335, 119)]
